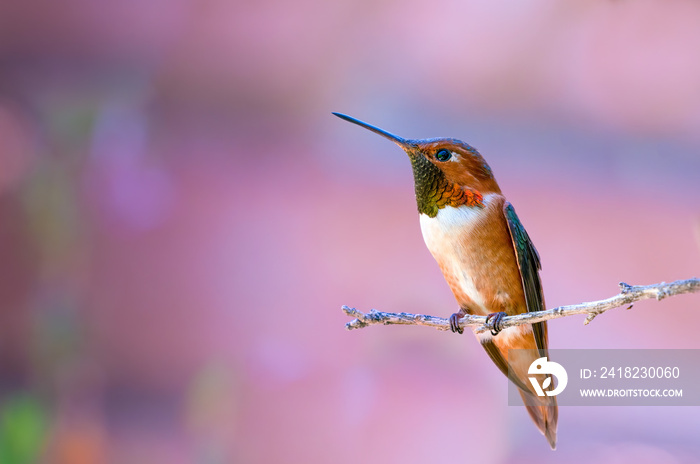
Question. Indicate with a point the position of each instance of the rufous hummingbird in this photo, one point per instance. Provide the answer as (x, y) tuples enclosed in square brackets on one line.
[(485, 254)]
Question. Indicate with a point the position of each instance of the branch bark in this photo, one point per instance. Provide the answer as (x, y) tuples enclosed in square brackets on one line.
[(627, 296)]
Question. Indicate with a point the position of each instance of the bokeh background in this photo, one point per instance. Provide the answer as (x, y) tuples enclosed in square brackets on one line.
[(181, 219)]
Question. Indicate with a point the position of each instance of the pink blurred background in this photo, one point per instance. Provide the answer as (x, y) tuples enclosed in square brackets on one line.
[(181, 219)]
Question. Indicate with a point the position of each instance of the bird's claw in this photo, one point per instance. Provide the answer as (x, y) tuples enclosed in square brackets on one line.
[(454, 323), (497, 318)]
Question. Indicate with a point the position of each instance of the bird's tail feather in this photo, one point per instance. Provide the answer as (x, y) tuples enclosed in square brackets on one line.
[(544, 412)]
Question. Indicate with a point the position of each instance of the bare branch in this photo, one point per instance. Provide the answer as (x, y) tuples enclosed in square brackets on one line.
[(627, 296)]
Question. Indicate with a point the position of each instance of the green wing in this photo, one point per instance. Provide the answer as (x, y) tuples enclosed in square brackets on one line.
[(529, 264)]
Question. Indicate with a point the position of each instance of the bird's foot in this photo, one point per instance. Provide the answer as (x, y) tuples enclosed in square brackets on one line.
[(454, 323), (497, 318)]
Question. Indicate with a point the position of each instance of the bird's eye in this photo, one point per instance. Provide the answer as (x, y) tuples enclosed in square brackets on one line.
[(443, 155)]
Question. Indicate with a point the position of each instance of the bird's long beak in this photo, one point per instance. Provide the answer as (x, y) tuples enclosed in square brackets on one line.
[(400, 141)]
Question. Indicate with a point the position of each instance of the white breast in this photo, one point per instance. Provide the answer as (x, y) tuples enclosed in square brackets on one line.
[(443, 235), (451, 219)]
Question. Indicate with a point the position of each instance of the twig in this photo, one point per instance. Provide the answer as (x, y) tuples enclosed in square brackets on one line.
[(628, 294)]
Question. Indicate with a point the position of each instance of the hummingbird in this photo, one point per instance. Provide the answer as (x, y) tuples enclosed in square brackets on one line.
[(485, 255)]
